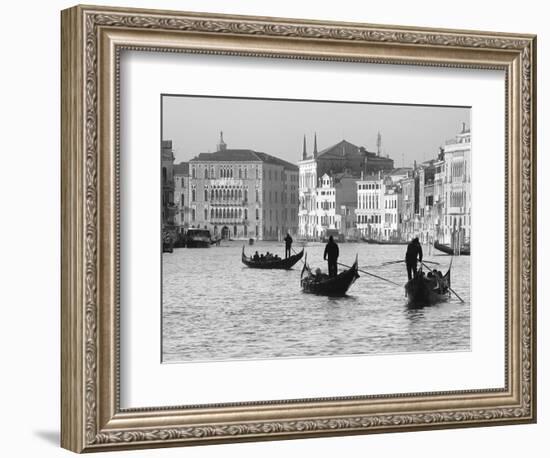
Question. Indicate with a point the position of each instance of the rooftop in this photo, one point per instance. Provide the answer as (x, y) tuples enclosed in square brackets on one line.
[(243, 155), (181, 169), (400, 171)]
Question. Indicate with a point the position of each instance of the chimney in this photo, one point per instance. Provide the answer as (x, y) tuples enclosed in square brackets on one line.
[(463, 127), (304, 152)]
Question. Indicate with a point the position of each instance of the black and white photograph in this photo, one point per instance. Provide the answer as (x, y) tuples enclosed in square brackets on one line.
[(306, 228)]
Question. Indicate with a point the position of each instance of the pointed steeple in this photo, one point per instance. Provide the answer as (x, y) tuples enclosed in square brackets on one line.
[(222, 146), (315, 145), (304, 151)]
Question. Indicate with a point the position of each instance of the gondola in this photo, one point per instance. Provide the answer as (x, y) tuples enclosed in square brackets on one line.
[(328, 286), (423, 290), (384, 242), (464, 249), (285, 263)]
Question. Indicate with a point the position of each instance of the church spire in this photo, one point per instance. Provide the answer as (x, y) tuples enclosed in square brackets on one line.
[(222, 146), (315, 145), (304, 151)]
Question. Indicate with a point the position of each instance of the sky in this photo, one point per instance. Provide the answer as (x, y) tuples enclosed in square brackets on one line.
[(277, 127)]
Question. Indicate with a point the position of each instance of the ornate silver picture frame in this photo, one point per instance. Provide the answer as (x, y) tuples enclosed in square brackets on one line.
[(93, 39)]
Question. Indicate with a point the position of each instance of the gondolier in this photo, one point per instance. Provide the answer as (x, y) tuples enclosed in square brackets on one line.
[(288, 245), (332, 252), (414, 255)]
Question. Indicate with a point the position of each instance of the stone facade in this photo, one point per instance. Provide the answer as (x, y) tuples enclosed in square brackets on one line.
[(241, 193)]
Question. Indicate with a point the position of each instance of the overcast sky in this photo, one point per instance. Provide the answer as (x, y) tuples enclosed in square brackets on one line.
[(277, 127)]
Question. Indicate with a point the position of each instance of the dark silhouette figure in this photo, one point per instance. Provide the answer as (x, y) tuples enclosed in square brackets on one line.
[(332, 252), (288, 245), (414, 255)]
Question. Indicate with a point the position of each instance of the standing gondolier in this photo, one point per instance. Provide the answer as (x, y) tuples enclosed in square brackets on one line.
[(288, 245), (414, 255), (332, 252)]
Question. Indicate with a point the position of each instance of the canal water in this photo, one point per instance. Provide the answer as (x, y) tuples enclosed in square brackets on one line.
[(216, 308)]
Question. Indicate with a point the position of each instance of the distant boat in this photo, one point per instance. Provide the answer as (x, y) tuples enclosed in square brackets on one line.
[(198, 238), (167, 242), (464, 249), (328, 286), (273, 263), (423, 290), (384, 242)]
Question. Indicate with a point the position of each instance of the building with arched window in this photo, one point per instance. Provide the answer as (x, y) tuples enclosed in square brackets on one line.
[(341, 159), (222, 185), (456, 215)]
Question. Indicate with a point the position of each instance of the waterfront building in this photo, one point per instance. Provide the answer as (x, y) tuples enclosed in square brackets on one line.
[(335, 203), (407, 208), (341, 158), (439, 196), (242, 193), (391, 229), (370, 211), (181, 195), (456, 218), (167, 178), (425, 174)]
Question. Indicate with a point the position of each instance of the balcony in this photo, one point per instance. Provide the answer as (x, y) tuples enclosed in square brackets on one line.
[(223, 221), (222, 202)]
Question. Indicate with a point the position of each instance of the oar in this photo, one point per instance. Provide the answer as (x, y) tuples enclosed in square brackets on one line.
[(402, 260), (392, 262), (368, 273), (450, 289)]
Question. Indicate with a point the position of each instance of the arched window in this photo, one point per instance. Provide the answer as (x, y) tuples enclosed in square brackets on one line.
[(193, 195), (240, 173), (211, 213), (164, 174), (206, 195), (211, 194), (246, 194), (205, 172), (205, 213), (246, 213), (257, 213)]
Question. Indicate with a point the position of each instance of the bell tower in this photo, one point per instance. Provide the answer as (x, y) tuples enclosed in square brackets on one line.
[(222, 146)]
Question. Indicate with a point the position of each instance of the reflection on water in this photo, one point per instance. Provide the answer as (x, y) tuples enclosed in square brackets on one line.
[(215, 308)]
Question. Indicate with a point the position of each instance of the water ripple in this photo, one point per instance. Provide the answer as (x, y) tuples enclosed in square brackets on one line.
[(215, 308)]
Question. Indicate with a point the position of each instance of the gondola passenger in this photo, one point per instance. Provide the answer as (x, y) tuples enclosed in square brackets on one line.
[(256, 257)]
